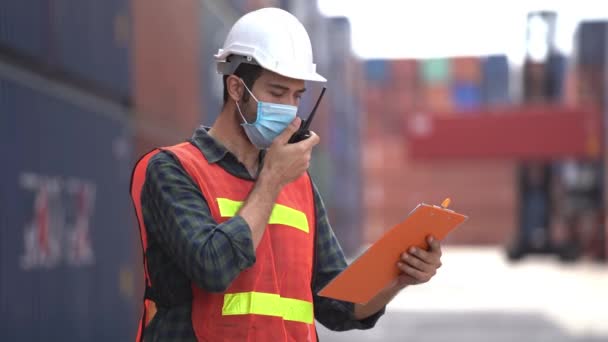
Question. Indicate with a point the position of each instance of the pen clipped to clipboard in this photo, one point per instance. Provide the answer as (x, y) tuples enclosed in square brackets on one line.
[(376, 268)]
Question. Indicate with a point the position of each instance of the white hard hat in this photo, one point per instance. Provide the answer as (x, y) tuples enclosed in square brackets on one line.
[(272, 38)]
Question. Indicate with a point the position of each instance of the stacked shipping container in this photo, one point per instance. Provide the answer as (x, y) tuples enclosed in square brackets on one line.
[(67, 237), (398, 96), (83, 40), (68, 240), (167, 68), (592, 89)]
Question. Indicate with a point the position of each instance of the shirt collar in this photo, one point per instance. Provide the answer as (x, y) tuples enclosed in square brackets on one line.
[(211, 148)]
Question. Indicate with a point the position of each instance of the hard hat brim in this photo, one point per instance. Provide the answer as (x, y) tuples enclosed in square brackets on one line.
[(227, 68)]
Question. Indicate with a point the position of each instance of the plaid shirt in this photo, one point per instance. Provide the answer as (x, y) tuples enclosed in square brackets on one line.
[(186, 245)]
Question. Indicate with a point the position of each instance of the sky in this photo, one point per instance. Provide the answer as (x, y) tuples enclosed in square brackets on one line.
[(444, 28)]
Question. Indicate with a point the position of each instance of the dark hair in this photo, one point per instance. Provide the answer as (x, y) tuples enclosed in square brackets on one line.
[(249, 73)]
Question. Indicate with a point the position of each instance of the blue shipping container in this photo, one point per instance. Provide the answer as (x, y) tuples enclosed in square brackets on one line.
[(91, 40), (466, 95), (495, 80), (24, 26), (556, 76), (592, 41), (84, 39), (376, 70), (67, 237)]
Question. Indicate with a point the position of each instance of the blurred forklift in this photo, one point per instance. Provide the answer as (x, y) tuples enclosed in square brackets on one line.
[(561, 202)]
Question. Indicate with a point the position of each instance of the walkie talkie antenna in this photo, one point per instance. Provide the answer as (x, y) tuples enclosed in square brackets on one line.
[(303, 133), (306, 124)]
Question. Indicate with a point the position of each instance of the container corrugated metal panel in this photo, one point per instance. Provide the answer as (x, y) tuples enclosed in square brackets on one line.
[(323, 164), (407, 103), (496, 80), (483, 190), (605, 180), (405, 71), (66, 254), (534, 82), (85, 39), (239, 5), (592, 41), (394, 183), (435, 71), (91, 39), (24, 26), (344, 135), (567, 133), (438, 98), (592, 50), (214, 30), (466, 95), (167, 71), (592, 64), (376, 70), (556, 77), (571, 96), (466, 69), (317, 26), (591, 86)]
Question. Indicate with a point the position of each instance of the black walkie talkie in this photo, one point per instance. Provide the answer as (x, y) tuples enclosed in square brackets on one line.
[(303, 133)]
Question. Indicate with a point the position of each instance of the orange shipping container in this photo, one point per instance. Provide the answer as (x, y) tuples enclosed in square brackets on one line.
[(466, 69), (167, 83), (394, 185), (437, 98)]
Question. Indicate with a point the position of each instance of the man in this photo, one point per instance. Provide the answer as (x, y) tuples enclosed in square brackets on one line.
[(236, 238)]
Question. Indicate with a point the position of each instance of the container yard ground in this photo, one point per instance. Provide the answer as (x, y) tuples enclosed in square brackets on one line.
[(478, 296)]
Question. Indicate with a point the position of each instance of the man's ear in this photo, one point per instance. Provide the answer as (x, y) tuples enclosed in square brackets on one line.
[(235, 88)]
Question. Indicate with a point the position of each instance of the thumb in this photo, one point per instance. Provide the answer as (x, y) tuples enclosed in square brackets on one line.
[(288, 132)]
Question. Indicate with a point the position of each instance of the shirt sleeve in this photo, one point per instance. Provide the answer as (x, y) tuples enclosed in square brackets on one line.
[(210, 254), (330, 261)]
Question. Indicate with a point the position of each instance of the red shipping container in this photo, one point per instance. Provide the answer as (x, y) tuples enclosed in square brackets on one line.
[(405, 68), (571, 96), (406, 102), (404, 72), (566, 133), (374, 98), (534, 82), (591, 85)]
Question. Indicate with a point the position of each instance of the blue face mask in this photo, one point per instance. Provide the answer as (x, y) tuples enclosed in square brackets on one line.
[(272, 119)]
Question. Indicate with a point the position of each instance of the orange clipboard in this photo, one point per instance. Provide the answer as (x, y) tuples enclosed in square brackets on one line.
[(377, 267)]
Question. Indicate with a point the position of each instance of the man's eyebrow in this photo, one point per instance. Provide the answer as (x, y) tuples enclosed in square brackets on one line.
[(284, 88)]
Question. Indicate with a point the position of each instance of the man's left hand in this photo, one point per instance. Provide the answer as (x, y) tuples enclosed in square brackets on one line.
[(419, 266)]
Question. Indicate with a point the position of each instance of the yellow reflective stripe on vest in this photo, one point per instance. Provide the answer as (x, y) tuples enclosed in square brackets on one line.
[(268, 304), (280, 214)]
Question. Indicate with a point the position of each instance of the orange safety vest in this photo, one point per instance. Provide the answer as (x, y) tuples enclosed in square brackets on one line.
[(270, 301)]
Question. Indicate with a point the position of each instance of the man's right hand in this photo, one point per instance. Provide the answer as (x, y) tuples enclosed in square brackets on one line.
[(285, 162)]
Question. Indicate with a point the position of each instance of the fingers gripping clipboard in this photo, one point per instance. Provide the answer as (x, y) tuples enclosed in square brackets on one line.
[(377, 267)]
